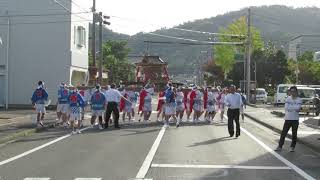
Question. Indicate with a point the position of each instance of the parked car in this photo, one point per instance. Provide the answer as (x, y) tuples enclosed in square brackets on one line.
[(261, 95)]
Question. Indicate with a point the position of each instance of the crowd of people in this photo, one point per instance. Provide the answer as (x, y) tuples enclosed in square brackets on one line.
[(174, 102)]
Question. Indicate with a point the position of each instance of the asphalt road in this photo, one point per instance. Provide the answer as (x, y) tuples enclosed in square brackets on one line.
[(147, 151)]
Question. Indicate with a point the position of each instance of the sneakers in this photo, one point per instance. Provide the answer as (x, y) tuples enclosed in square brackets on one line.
[(292, 149), (278, 149), (177, 125), (40, 124), (74, 132), (78, 131), (100, 127)]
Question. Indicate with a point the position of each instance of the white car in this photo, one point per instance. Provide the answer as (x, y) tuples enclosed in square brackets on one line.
[(261, 95)]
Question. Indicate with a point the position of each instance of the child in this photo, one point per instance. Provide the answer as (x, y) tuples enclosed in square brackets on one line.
[(98, 103), (76, 103), (38, 99)]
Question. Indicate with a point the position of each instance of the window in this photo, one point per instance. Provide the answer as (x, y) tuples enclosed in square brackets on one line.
[(80, 36), (283, 89)]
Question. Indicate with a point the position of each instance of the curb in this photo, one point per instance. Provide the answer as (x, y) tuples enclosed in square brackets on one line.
[(25, 133), (277, 130)]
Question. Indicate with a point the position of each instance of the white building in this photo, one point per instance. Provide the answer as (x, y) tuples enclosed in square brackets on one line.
[(42, 40)]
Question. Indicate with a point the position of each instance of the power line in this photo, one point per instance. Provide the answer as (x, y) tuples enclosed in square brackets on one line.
[(68, 10), (181, 29), (46, 22), (193, 40), (76, 4), (35, 15)]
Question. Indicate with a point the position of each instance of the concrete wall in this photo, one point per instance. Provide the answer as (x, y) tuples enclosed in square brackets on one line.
[(40, 47)]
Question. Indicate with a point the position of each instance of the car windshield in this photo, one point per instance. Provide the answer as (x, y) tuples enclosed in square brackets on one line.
[(260, 92), (306, 93), (283, 89)]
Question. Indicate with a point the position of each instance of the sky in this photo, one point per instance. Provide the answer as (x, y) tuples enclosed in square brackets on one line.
[(133, 16)]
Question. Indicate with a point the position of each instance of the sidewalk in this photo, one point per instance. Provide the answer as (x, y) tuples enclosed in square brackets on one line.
[(307, 135), (19, 123)]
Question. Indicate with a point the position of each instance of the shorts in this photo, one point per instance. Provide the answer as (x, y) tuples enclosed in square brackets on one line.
[(241, 110), (180, 107), (188, 106), (210, 108), (198, 107), (128, 109), (74, 116), (63, 108), (147, 108), (170, 109), (97, 112), (220, 106), (40, 108)]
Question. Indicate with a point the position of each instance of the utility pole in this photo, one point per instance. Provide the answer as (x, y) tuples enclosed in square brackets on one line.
[(248, 55), (100, 47), (93, 33)]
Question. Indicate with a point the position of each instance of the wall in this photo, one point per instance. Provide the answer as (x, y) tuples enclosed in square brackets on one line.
[(38, 47)]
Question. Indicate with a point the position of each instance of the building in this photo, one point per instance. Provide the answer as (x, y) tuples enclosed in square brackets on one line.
[(152, 69), (42, 40), (302, 43)]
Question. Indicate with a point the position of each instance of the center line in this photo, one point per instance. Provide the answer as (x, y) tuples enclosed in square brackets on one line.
[(147, 162)]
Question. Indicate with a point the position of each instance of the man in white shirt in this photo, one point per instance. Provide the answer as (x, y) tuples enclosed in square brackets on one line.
[(113, 97), (234, 102), (292, 108)]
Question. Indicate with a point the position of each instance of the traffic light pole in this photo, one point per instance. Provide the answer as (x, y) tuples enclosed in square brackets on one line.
[(248, 56), (100, 48), (93, 35)]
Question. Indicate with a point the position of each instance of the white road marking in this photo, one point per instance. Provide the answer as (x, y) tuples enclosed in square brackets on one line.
[(37, 148), (36, 178), (147, 162), (218, 166), (88, 179), (278, 156), (6, 124)]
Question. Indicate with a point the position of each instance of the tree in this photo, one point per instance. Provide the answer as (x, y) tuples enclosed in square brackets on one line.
[(225, 53), (309, 71), (215, 72), (115, 60)]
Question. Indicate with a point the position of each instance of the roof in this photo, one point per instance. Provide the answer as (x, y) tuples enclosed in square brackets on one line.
[(152, 60)]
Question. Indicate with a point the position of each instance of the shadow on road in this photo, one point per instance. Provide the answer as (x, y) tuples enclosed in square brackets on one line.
[(211, 141)]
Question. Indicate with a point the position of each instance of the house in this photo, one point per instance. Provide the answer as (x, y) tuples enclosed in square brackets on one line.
[(302, 43), (42, 40)]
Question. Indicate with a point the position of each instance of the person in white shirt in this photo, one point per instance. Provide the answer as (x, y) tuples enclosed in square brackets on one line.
[(233, 101), (113, 97), (292, 108)]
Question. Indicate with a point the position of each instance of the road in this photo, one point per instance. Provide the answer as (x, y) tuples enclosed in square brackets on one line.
[(148, 151)]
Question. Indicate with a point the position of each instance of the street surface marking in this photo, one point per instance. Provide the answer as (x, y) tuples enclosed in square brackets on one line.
[(36, 178), (218, 166), (147, 162), (37, 148), (278, 156), (8, 124), (88, 179)]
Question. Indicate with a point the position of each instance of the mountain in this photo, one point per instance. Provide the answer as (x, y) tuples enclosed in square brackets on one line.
[(277, 23)]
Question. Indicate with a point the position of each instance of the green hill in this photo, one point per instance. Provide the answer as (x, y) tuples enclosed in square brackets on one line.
[(276, 23)]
